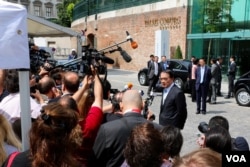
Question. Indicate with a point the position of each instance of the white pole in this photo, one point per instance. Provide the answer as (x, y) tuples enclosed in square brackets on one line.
[(25, 107)]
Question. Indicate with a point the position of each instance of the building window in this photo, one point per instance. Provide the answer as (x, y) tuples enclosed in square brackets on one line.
[(48, 11), (37, 11)]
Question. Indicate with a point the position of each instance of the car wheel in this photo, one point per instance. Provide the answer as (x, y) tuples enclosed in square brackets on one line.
[(178, 82), (243, 97), (143, 79)]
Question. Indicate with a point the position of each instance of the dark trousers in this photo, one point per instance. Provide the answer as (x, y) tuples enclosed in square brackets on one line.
[(230, 85), (152, 83), (218, 90), (201, 96), (192, 87)]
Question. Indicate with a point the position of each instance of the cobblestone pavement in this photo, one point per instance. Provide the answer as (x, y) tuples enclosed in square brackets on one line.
[(238, 116)]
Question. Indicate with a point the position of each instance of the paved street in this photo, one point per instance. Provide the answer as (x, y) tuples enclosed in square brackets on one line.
[(238, 117)]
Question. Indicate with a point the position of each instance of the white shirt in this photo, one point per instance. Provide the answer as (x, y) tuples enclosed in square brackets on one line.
[(10, 107), (165, 92), (156, 68), (202, 74)]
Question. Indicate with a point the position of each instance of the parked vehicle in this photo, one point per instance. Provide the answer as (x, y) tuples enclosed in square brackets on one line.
[(180, 69), (242, 90)]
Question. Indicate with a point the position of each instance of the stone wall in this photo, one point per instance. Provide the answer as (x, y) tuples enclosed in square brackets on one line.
[(142, 27)]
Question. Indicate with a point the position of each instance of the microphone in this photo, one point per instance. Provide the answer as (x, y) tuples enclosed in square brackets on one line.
[(134, 44), (107, 60), (127, 87), (125, 55)]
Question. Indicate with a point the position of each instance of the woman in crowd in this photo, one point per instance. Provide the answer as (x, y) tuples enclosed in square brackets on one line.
[(218, 139), (200, 158), (9, 143), (90, 113), (144, 147), (173, 141), (51, 141)]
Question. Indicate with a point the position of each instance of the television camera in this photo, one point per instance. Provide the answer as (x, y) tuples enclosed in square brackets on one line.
[(148, 102), (40, 58)]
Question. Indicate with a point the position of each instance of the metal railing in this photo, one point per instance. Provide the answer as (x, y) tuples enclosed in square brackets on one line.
[(91, 7)]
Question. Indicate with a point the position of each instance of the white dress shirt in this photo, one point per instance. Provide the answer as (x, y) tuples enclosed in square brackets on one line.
[(165, 92), (10, 107)]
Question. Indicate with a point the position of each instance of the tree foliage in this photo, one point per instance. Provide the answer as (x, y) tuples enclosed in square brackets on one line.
[(217, 16), (178, 53), (65, 12)]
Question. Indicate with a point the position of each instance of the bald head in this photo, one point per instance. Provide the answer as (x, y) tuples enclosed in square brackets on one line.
[(71, 82), (131, 100), (46, 84)]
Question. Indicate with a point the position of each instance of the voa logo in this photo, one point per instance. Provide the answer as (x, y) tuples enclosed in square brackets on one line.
[(236, 158)]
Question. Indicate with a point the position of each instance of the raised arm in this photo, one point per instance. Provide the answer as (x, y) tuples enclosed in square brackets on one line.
[(98, 92)]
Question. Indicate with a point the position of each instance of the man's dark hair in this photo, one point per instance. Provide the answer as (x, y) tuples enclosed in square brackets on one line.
[(213, 60), (169, 72), (12, 81), (151, 55), (233, 57), (218, 121)]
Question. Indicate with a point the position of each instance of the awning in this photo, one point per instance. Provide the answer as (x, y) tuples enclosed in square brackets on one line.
[(39, 27)]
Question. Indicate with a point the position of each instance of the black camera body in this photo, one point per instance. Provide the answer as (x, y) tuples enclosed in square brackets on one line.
[(148, 102), (94, 58), (38, 58), (203, 127)]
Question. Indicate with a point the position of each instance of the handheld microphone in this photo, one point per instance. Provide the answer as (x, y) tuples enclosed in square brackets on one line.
[(134, 44), (127, 87), (125, 55)]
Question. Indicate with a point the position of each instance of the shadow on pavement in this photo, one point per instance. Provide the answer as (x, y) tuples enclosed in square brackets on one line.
[(215, 112)]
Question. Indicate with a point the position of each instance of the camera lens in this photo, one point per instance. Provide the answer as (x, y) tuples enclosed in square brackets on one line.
[(203, 127)]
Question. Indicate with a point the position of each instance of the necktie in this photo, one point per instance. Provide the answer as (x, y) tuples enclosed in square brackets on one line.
[(165, 93)]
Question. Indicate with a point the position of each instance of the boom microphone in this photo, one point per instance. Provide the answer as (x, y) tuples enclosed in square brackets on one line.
[(125, 55), (127, 87), (134, 44)]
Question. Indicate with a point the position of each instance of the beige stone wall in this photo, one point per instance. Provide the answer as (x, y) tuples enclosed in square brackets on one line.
[(142, 28)]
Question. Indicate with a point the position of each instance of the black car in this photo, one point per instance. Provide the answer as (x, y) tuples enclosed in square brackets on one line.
[(180, 69), (242, 90)]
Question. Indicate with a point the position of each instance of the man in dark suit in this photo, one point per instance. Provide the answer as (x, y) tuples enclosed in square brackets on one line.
[(112, 136), (203, 77), (163, 64), (213, 82), (151, 60), (173, 109), (231, 77), (153, 74)]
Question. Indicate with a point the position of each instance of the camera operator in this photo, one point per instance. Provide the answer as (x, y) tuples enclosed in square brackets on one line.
[(114, 107), (10, 105), (237, 144)]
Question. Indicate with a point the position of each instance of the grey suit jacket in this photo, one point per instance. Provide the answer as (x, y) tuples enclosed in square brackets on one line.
[(151, 70), (215, 71), (174, 109)]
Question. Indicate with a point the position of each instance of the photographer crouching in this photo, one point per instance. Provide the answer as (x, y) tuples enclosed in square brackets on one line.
[(215, 135)]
